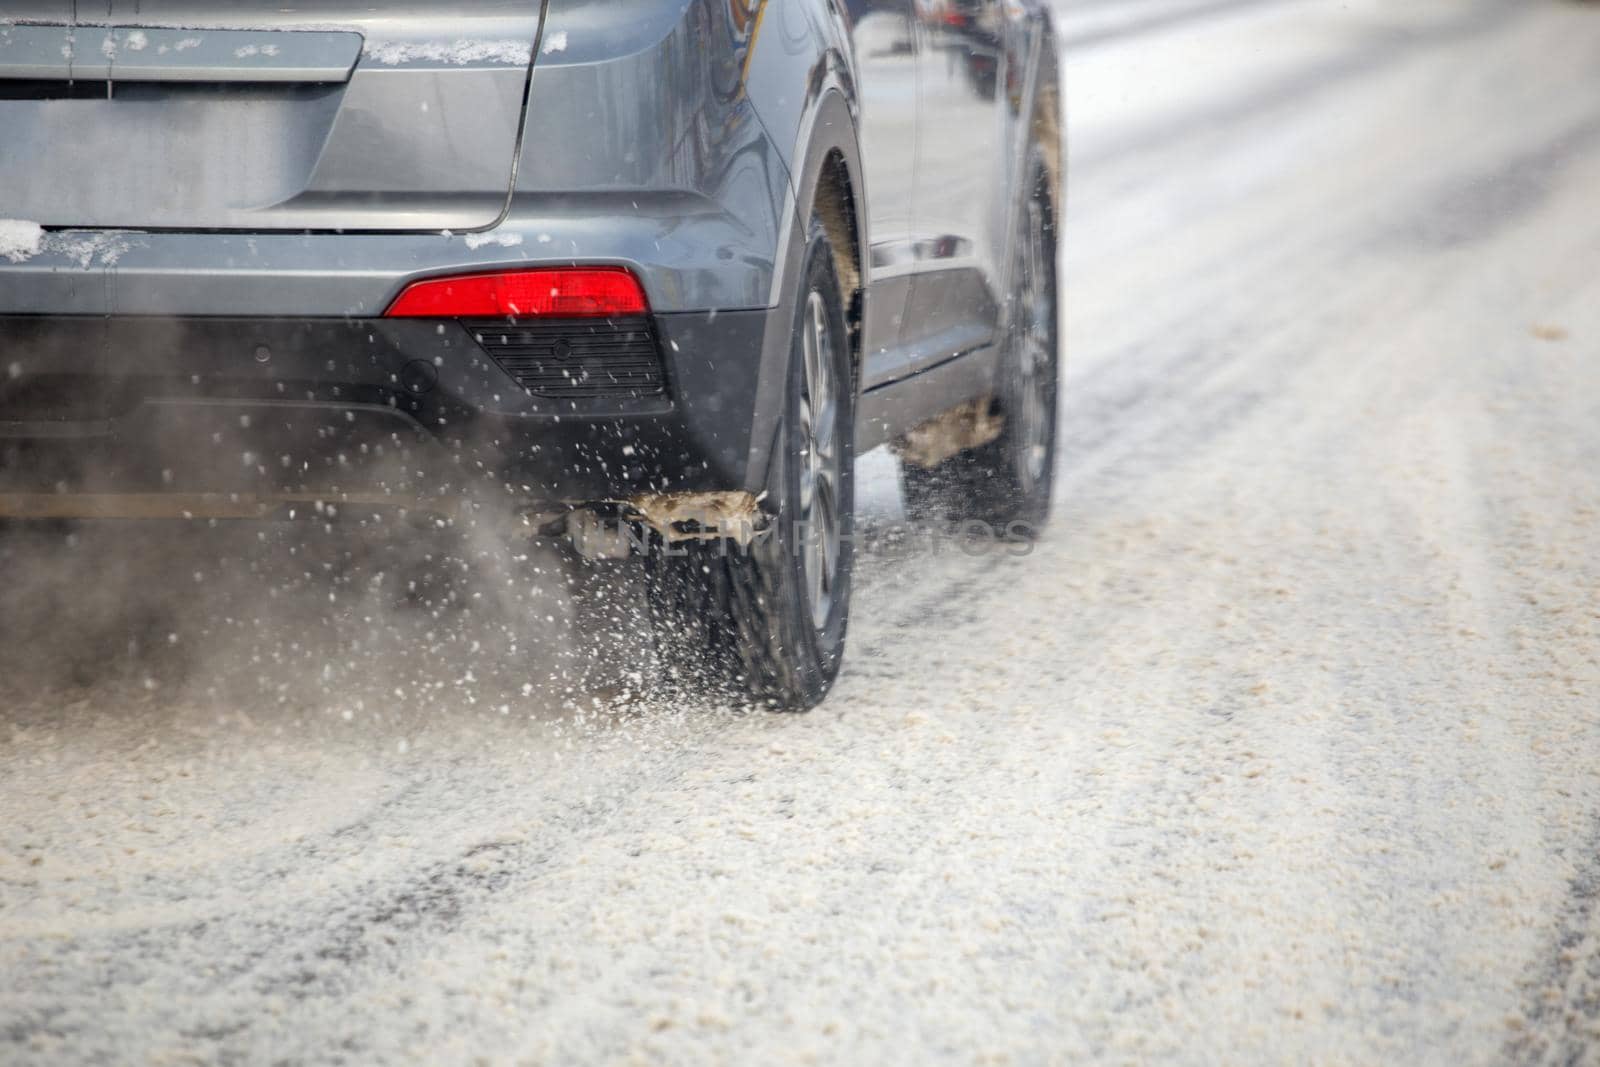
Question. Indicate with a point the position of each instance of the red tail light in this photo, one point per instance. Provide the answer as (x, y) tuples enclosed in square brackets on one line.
[(561, 292)]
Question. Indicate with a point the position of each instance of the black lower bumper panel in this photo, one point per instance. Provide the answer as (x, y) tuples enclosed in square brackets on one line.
[(545, 411)]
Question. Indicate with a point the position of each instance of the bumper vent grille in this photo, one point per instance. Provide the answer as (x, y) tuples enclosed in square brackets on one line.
[(577, 359)]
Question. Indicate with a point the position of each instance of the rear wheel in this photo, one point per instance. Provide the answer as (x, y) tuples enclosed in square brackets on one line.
[(766, 621), (1009, 479)]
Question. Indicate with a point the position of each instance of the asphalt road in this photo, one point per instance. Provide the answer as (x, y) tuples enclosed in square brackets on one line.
[(1282, 745)]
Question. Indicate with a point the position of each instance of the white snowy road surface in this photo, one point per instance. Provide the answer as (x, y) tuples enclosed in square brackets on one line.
[(1282, 746)]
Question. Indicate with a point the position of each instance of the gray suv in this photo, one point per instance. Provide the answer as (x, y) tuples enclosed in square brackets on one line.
[(661, 267)]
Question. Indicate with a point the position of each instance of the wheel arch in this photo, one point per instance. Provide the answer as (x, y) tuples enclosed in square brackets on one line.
[(827, 180), (1048, 114), (834, 203)]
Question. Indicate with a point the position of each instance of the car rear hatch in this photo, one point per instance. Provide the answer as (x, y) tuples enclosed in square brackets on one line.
[(380, 115)]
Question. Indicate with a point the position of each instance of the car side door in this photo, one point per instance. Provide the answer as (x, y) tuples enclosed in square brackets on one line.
[(883, 38), (958, 189)]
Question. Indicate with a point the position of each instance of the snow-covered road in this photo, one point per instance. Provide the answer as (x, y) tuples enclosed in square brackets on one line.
[(1283, 745)]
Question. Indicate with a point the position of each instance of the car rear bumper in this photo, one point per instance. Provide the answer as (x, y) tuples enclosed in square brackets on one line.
[(687, 251), (264, 408)]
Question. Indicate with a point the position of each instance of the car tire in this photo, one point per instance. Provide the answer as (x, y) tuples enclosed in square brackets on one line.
[(765, 622), (1008, 481)]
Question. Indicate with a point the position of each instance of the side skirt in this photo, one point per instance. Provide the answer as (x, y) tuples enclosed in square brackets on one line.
[(896, 407)]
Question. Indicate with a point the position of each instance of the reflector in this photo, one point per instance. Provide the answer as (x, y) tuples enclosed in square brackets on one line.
[(550, 292)]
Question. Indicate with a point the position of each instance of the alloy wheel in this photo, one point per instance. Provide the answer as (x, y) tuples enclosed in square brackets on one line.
[(820, 469)]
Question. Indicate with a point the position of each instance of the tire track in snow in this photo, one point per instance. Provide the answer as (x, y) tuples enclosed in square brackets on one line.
[(1562, 1013)]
